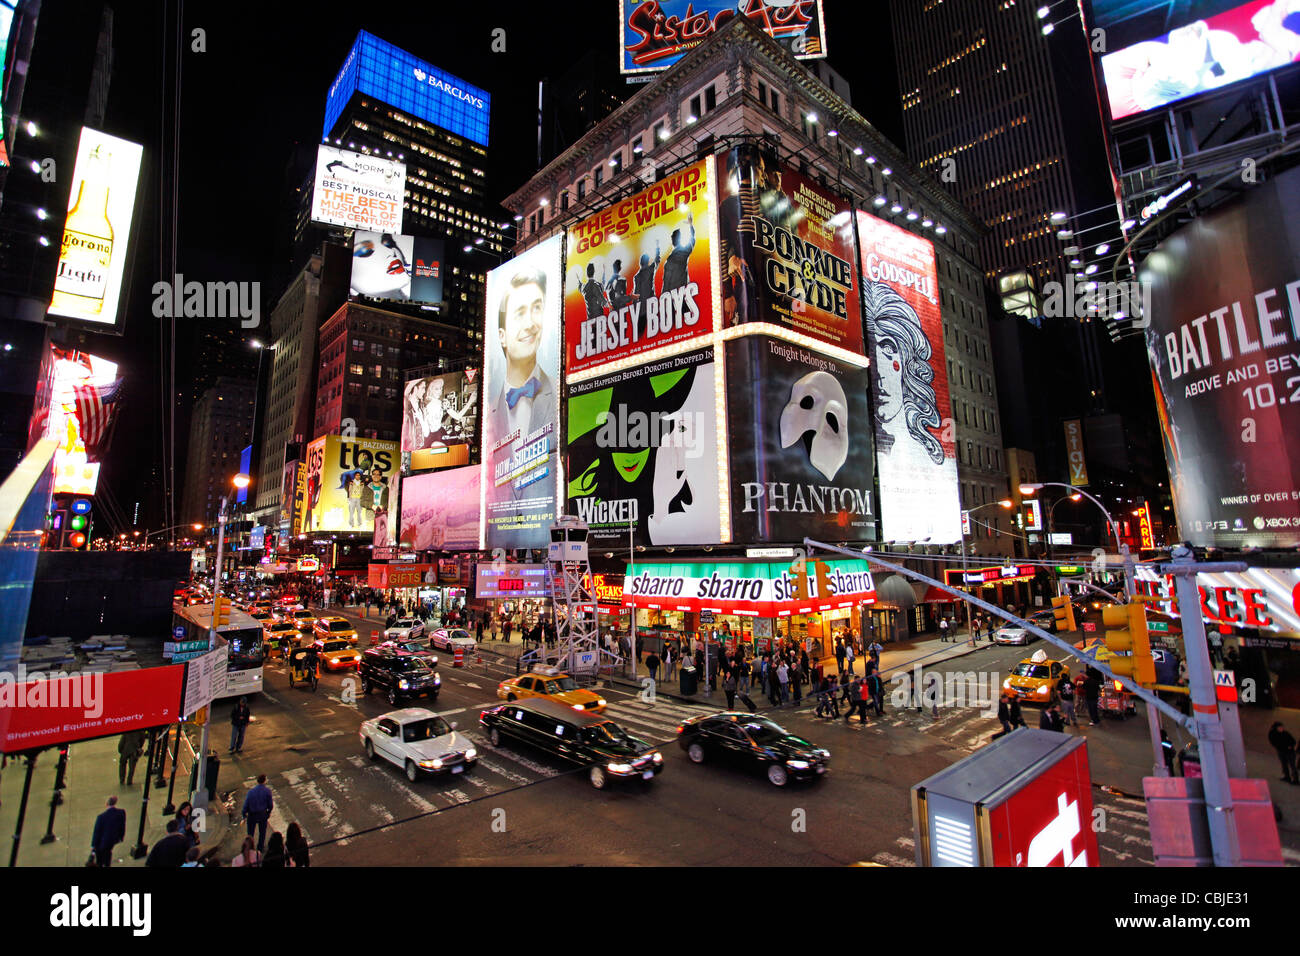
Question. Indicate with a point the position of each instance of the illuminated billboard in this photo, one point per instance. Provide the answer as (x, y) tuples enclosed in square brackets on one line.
[(6, 21), (916, 457), (82, 401), (440, 510), (387, 266), (348, 485), (655, 34), (358, 191), (1200, 46), (786, 251), (800, 443), (521, 369), (97, 232), (1223, 343), (393, 76), (642, 453), (440, 419), (639, 274)]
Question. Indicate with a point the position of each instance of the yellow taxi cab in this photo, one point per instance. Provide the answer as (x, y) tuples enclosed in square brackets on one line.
[(326, 627), (1035, 678), (336, 654), (551, 683), (301, 619)]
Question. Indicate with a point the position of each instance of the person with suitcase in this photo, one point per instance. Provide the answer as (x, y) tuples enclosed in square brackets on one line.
[(729, 688)]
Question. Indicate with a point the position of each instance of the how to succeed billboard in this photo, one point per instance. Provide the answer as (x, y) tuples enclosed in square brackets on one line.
[(642, 453), (640, 273)]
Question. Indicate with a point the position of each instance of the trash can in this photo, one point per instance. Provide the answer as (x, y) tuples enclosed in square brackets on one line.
[(210, 772), (688, 683)]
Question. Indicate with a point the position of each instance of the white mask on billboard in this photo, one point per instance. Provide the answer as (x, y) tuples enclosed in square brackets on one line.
[(817, 404)]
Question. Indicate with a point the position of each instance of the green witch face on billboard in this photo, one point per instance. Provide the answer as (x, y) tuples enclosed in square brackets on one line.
[(643, 453)]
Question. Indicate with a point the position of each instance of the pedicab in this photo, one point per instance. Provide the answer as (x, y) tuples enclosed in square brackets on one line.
[(302, 667)]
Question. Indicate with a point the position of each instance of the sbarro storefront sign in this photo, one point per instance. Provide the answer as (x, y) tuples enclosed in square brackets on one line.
[(751, 588)]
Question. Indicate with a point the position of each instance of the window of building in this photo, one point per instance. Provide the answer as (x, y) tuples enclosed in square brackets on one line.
[(379, 371), (564, 200), (354, 388), (532, 223), (372, 391), (541, 218), (710, 99), (776, 102), (636, 146), (762, 92), (376, 350), (355, 369), (695, 107), (658, 133), (616, 163), (358, 345), (598, 177)]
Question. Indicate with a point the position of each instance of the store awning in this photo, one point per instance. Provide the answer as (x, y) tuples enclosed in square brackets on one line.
[(935, 596), (894, 591)]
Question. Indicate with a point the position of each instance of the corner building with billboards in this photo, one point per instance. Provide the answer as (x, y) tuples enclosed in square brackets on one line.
[(723, 320)]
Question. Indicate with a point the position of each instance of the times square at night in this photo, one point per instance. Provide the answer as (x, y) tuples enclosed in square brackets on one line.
[(760, 434)]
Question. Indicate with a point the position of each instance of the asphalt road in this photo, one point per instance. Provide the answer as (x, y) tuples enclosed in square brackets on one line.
[(522, 807)]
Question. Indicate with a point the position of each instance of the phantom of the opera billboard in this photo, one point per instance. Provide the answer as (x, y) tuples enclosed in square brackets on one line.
[(916, 457), (440, 510), (439, 420), (801, 444), (642, 453), (639, 274), (786, 251), (521, 374), (349, 484), (1224, 346)]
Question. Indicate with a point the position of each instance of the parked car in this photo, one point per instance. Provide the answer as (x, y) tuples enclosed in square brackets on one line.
[(752, 743), (1044, 619), (406, 627), (448, 638), (1012, 634), (418, 741), (607, 751), (399, 674)]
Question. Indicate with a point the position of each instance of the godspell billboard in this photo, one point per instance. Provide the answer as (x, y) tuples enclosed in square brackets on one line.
[(787, 251), (642, 453), (1224, 345), (801, 451), (640, 273)]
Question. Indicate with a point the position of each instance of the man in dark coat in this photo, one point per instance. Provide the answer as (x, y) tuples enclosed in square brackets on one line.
[(1092, 693), (258, 805), (110, 830), (239, 718), (171, 850), (129, 748), (1004, 717), (1284, 744)]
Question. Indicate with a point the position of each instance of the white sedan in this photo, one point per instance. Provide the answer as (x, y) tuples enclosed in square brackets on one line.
[(405, 628), (418, 741), (1012, 634), (449, 638)]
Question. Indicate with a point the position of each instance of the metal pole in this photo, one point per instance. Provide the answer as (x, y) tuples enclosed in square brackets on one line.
[(22, 807), (964, 565), (57, 797), (1205, 713), (171, 787), (140, 848), (200, 796)]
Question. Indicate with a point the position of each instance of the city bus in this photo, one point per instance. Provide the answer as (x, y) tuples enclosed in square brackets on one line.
[(242, 635)]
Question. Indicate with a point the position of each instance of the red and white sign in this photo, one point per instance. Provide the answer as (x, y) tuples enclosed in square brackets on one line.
[(397, 575), (1047, 822), (955, 577), (752, 589), (84, 706), (1263, 598)]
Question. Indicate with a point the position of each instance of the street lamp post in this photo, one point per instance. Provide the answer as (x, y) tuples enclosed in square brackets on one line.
[(1050, 526), (1004, 503)]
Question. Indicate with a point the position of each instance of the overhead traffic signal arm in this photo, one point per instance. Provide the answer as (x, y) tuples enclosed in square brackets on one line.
[(1126, 634), (1063, 610)]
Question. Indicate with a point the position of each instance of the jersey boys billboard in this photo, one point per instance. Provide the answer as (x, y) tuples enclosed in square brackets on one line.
[(643, 453), (801, 446), (639, 274), (787, 251), (916, 458), (1224, 344), (521, 357)]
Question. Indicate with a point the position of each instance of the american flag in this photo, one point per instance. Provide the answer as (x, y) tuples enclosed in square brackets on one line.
[(95, 407)]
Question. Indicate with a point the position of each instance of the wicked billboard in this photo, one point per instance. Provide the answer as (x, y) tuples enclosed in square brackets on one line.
[(786, 251), (800, 439), (643, 453)]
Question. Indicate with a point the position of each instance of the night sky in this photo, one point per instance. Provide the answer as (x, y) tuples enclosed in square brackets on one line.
[(260, 87)]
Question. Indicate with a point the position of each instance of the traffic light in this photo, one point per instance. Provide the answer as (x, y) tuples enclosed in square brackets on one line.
[(823, 579), (220, 610), (1126, 633), (1064, 612), (799, 571)]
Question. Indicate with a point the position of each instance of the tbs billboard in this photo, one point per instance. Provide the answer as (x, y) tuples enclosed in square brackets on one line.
[(916, 458), (640, 273), (1224, 345), (655, 34), (348, 485), (408, 268), (358, 191)]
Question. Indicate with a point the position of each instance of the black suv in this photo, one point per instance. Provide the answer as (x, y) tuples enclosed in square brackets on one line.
[(588, 740), (401, 674)]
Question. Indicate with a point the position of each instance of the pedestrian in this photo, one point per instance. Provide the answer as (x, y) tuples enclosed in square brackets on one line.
[(1004, 717), (275, 855), (258, 805), (110, 830), (478, 632), (130, 747), (508, 628), (943, 630), (853, 697), (742, 672), (729, 688), (839, 655), (192, 858), (185, 822), (877, 688), (796, 684), (1017, 718), (249, 855), (170, 851), (295, 845), (783, 678), (239, 718), (1051, 719), (773, 686), (864, 698), (1065, 691), (1167, 749), (1091, 693), (1284, 744), (652, 665), (848, 656), (875, 650)]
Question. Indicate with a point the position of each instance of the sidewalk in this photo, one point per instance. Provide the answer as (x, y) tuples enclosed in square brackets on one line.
[(91, 778)]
